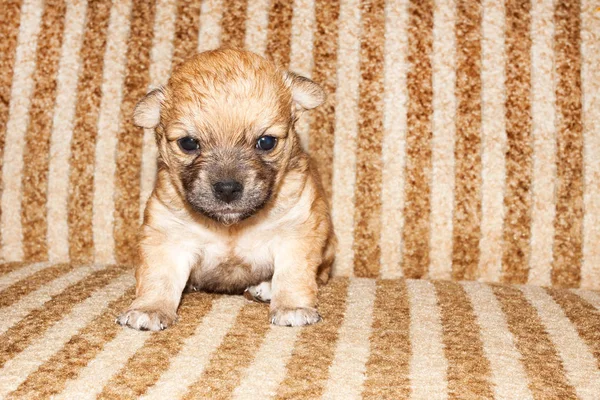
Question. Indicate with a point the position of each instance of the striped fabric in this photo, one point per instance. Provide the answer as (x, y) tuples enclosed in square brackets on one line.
[(459, 139), (384, 339)]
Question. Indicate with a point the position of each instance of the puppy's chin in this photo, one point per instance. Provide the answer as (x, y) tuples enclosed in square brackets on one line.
[(225, 216)]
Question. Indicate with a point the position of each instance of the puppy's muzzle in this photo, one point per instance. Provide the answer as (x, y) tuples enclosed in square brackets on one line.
[(228, 191)]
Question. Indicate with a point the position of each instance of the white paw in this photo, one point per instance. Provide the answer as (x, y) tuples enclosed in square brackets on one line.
[(294, 316), (145, 320), (261, 292)]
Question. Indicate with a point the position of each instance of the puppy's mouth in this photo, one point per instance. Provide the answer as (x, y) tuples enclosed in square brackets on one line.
[(228, 214)]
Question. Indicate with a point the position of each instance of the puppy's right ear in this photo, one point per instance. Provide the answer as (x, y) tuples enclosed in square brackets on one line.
[(147, 110)]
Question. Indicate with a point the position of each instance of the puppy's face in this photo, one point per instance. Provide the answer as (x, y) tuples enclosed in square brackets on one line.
[(224, 126)]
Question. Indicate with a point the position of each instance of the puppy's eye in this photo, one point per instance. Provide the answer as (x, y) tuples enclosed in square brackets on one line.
[(188, 145), (266, 143)]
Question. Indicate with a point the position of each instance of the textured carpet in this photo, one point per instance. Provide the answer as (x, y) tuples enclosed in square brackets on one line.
[(459, 141), (386, 339)]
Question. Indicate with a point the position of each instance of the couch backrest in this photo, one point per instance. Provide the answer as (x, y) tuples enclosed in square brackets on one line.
[(456, 142)]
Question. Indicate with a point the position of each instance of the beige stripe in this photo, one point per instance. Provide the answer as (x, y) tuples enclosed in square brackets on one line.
[(394, 139), (267, 371), (257, 22), (16, 370), (7, 280), (347, 371), (346, 130), (508, 374), (161, 56), (579, 363), (195, 354), (62, 131), (493, 140), (15, 312), (443, 64), (115, 60), (109, 361), (18, 120), (209, 35), (428, 363), (301, 54), (591, 297), (590, 76), (544, 141)]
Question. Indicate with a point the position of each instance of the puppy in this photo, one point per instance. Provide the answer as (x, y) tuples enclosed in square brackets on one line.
[(237, 204)]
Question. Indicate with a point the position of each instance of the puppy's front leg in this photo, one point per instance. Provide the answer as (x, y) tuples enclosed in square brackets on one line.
[(161, 278), (294, 286)]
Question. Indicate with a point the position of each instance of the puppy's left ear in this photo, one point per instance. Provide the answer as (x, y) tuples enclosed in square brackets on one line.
[(147, 110), (305, 93)]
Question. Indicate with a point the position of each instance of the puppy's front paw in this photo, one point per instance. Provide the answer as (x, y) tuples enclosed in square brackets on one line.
[(146, 320), (294, 316)]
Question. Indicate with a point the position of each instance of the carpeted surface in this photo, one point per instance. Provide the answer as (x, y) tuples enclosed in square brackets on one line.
[(386, 339)]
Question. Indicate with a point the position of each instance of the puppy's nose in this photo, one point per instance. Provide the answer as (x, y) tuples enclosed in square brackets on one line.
[(228, 191)]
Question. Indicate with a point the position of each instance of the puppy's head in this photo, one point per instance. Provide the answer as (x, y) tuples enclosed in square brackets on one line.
[(224, 127)]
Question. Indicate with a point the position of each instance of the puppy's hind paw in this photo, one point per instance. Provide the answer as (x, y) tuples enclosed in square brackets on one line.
[(294, 316), (260, 292), (145, 320)]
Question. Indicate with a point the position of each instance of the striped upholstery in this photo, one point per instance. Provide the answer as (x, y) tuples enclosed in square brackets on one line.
[(386, 339), (459, 141)]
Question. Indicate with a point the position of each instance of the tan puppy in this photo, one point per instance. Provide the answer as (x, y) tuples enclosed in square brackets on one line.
[(237, 204)]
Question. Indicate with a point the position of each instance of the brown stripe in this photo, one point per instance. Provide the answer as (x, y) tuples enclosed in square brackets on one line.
[(13, 293), (10, 15), (306, 373), (415, 236), (322, 128), (584, 317), (81, 179), (467, 151), (279, 38), (12, 266), (154, 357), (544, 368), (519, 162), (37, 138), (18, 337), (568, 225), (469, 370), (387, 374), (51, 377), (234, 354), (186, 31), (233, 23), (130, 137), (367, 193)]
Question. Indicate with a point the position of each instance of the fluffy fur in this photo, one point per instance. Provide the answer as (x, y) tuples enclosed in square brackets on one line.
[(279, 230)]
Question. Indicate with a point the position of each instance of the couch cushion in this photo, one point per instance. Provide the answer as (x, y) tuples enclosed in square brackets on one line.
[(378, 339), (456, 142)]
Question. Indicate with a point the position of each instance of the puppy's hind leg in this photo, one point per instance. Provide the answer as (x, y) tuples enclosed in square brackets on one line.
[(260, 292)]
